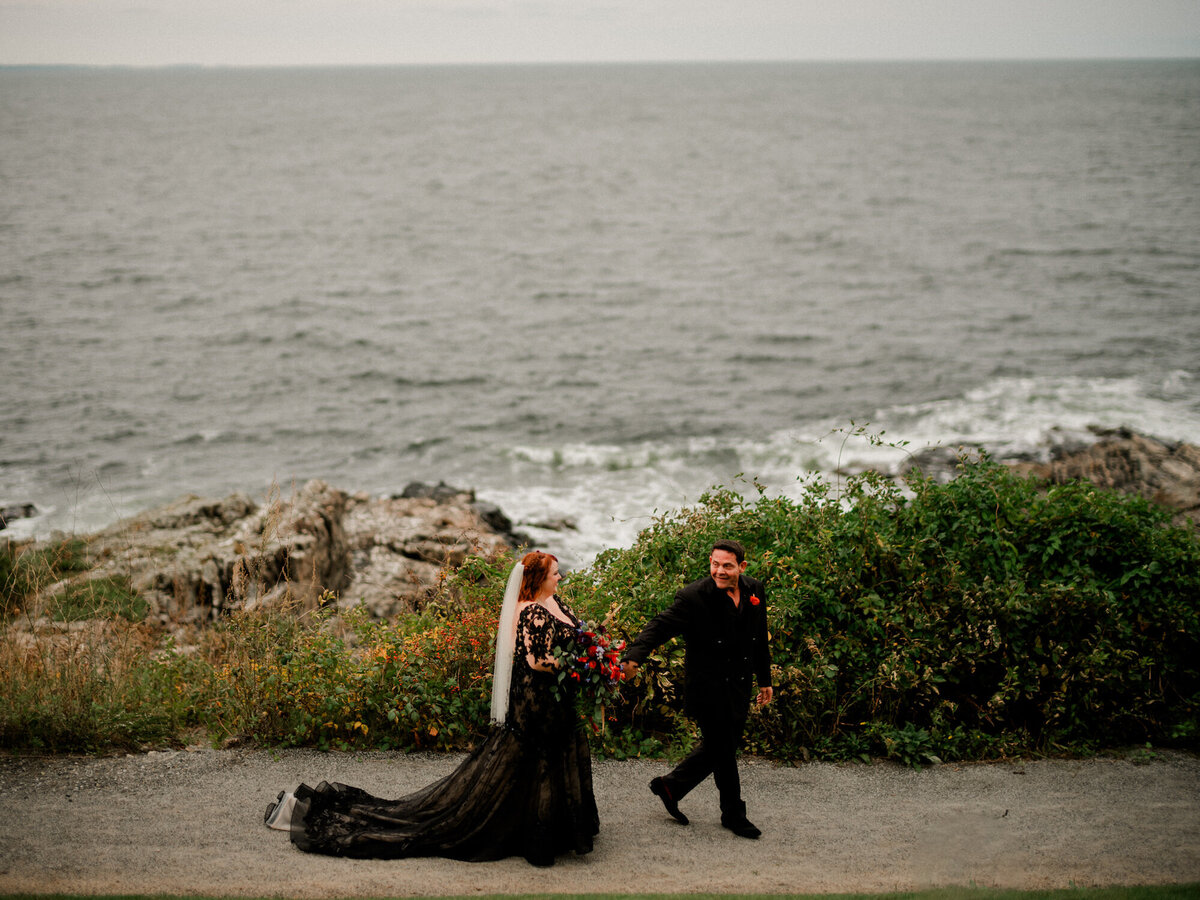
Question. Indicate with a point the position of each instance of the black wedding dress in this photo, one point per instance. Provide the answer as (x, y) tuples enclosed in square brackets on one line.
[(526, 791)]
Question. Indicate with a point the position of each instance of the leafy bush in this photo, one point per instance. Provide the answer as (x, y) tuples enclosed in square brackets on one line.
[(974, 619)]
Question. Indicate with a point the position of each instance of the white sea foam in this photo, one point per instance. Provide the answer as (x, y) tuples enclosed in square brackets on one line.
[(612, 492)]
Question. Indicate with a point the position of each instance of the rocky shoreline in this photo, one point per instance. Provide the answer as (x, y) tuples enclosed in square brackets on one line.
[(197, 558), (1164, 472)]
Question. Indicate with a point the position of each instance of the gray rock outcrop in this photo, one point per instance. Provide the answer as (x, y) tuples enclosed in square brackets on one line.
[(10, 512), (197, 558), (399, 545), (1166, 473)]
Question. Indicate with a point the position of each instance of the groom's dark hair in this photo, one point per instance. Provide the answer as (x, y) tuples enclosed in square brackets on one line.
[(738, 551)]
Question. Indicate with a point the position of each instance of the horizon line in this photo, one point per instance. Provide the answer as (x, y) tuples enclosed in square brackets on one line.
[(597, 62)]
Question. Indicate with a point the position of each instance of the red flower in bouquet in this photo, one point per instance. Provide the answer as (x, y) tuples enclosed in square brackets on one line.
[(592, 664)]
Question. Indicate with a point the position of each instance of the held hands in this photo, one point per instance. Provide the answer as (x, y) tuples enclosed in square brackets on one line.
[(765, 694)]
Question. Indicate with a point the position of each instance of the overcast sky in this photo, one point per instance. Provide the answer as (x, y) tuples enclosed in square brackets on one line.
[(299, 32)]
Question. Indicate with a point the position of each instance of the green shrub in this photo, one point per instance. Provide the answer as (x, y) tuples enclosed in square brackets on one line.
[(26, 569), (974, 619), (107, 597)]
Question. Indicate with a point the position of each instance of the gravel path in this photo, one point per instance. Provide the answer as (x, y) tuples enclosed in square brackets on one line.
[(190, 822)]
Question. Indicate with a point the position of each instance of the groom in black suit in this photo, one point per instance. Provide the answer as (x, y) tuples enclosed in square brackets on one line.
[(723, 619)]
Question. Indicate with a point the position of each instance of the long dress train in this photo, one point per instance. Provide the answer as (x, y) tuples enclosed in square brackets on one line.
[(525, 791)]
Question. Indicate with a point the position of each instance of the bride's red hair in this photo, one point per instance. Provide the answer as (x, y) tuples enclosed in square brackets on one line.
[(537, 567)]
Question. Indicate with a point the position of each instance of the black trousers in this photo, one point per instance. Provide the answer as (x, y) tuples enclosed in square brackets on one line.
[(716, 755)]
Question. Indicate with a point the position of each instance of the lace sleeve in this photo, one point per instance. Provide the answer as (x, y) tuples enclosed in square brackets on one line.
[(535, 637)]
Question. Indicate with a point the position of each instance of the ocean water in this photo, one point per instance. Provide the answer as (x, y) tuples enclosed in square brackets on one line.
[(586, 292)]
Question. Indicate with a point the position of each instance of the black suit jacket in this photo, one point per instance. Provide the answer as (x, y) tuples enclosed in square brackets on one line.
[(726, 645)]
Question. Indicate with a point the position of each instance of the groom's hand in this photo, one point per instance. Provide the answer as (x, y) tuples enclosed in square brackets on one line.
[(765, 695), (629, 668)]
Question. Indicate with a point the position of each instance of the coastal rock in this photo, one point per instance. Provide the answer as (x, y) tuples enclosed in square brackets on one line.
[(490, 513), (399, 546), (10, 512), (1122, 460), (197, 558), (938, 463)]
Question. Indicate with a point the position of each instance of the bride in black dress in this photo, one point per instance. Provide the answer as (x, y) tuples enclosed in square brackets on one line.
[(526, 791)]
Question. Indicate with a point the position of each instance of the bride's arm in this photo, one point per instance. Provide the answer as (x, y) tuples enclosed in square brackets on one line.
[(534, 636)]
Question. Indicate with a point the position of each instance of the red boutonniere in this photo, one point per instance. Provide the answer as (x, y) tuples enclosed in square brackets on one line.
[(754, 601)]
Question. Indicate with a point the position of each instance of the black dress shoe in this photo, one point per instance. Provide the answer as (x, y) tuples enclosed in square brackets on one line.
[(741, 826), (660, 790)]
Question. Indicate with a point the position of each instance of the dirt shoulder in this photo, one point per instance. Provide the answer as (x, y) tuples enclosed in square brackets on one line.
[(191, 823)]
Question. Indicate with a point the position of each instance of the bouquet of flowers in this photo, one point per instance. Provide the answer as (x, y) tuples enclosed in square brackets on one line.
[(590, 669)]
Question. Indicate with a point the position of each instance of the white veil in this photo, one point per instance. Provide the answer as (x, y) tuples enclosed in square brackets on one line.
[(506, 642)]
